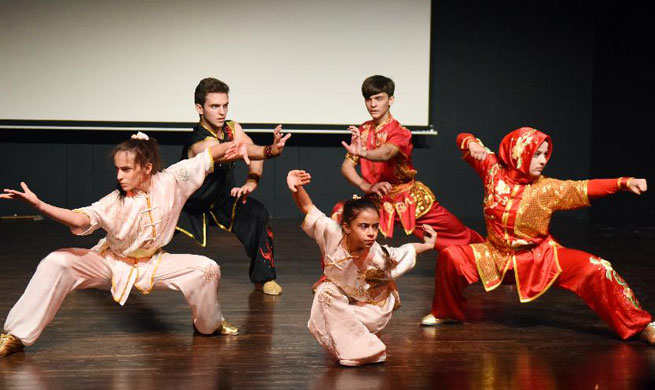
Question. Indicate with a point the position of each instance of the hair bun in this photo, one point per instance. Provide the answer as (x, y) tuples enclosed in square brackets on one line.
[(141, 136)]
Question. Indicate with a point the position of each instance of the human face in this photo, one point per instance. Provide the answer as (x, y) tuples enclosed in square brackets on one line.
[(214, 111), (362, 231), (131, 176), (378, 106), (539, 160)]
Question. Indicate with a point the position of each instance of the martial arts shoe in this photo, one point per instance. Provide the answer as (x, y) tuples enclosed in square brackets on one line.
[(228, 329), (224, 329), (648, 334), (431, 320), (9, 344), (354, 363), (269, 288)]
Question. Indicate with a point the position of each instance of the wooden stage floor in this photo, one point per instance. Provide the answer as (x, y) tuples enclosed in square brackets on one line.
[(553, 343)]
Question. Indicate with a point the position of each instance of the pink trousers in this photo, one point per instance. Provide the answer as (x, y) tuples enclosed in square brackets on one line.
[(348, 330), (65, 270)]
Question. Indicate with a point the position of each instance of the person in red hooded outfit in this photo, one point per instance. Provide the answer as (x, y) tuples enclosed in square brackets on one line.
[(518, 205)]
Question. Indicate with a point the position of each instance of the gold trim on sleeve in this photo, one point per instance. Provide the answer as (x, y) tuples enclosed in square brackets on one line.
[(211, 159), (465, 142), (627, 183), (196, 143)]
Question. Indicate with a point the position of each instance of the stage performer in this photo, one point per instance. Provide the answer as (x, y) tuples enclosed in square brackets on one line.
[(383, 149), (518, 205), (359, 293), (139, 218), (219, 202)]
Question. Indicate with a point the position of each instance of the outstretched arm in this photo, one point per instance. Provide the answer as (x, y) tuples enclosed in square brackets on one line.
[(237, 150), (598, 188), (429, 239), (296, 180), (407, 259), (257, 152), (77, 222)]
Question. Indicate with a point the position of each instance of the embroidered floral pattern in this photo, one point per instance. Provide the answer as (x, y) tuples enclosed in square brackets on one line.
[(517, 151), (325, 298), (181, 174), (210, 273), (611, 274), (328, 342)]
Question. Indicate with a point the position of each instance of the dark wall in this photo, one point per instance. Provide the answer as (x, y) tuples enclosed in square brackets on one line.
[(495, 67), (623, 132), (498, 66)]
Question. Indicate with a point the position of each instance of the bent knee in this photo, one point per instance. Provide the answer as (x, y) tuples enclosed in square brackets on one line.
[(59, 260), (208, 270)]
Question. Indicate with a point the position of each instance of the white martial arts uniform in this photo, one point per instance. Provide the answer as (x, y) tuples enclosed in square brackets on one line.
[(354, 304), (138, 226)]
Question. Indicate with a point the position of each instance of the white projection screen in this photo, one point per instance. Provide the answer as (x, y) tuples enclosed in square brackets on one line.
[(286, 61)]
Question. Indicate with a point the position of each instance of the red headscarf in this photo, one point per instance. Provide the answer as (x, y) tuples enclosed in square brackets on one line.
[(516, 151)]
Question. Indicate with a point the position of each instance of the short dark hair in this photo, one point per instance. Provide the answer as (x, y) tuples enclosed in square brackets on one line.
[(209, 85), (352, 208), (377, 84)]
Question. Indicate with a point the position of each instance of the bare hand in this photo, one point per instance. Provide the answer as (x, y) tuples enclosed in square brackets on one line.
[(237, 151), (27, 196), (637, 186), (279, 140), (355, 146), (429, 235), (298, 178), (244, 190), (478, 151), (381, 189)]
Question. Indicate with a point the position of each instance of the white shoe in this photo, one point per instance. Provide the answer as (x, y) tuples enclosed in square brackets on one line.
[(431, 320)]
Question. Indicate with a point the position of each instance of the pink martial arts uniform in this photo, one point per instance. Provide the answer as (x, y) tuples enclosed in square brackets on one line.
[(354, 304), (138, 226)]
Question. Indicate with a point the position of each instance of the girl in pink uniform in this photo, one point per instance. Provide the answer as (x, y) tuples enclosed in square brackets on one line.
[(359, 294), (140, 218)]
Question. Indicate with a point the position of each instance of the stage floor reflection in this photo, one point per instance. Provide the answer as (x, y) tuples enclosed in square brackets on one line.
[(555, 342)]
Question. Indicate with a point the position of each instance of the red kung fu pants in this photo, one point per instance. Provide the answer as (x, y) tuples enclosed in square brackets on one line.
[(450, 230), (601, 289)]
